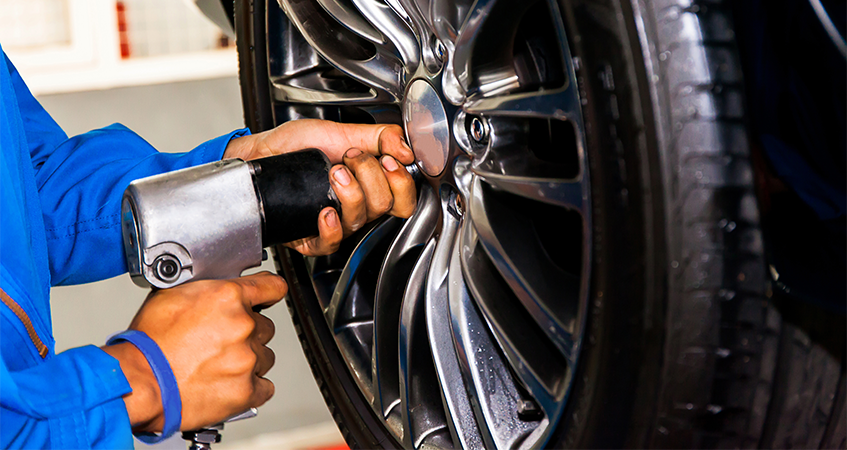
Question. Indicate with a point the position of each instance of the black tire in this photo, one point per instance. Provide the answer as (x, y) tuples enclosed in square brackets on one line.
[(685, 346)]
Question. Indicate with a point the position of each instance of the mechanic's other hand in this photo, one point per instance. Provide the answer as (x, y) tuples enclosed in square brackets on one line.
[(367, 188), (215, 343), (371, 181)]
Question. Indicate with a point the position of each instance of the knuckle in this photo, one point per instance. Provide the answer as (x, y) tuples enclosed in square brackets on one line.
[(409, 207), (371, 163), (246, 361), (229, 292), (356, 163), (403, 180), (351, 196), (382, 204), (263, 391), (242, 326), (333, 247), (271, 390), (270, 356), (249, 326), (270, 328), (405, 213), (279, 283)]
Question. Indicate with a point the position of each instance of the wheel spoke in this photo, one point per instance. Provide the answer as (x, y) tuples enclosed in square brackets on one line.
[(350, 312), (492, 24), (376, 67), (399, 10), (533, 357), (570, 194), (447, 17), (352, 20), (396, 266), (394, 28), (497, 398), (482, 72), (296, 94), (463, 427), (527, 269), (561, 103), (416, 14), (303, 76), (557, 102), (422, 411), (466, 39), (363, 251)]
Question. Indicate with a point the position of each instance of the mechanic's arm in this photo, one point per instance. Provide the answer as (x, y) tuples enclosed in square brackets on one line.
[(215, 344), (81, 180)]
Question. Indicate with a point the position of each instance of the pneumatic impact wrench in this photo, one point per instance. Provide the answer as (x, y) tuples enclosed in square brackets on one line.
[(213, 222)]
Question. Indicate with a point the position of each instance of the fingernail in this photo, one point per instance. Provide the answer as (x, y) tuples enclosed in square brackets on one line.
[(341, 176), (332, 218), (389, 163), (353, 152), (406, 146)]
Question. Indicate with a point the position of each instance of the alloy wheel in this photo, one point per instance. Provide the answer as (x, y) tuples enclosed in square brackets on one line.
[(462, 325)]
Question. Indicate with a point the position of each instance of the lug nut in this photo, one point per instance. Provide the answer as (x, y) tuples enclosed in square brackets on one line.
[(479, 130), (529, 410)]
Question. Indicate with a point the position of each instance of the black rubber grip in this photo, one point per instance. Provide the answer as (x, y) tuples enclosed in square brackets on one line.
[(293, 189)]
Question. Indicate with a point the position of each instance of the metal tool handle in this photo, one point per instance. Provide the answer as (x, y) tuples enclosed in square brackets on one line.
[(203, 438)]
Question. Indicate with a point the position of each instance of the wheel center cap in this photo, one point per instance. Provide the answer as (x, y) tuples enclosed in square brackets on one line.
[(427, 127)]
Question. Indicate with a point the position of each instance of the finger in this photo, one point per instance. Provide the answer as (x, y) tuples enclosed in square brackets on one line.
[(332, 138), (368, 171), (402, 187), (354, 215), (263, 390), (380, 139), (263, 288), (265, 359), (392, 142), (264, 330), (328, 240)]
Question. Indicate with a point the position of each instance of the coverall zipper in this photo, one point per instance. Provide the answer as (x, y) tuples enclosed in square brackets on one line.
[(33, 336)]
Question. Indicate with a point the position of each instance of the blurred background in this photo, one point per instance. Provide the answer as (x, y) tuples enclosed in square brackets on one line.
[(164, 70)]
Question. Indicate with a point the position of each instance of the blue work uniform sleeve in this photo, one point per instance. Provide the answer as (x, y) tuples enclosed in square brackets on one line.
[(81, 180), (72, 400)]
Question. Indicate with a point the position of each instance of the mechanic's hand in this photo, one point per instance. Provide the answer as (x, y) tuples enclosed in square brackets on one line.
[(215, 344), (370, 182)]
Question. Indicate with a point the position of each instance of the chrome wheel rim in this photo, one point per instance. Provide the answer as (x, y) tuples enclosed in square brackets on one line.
[(462, 325)]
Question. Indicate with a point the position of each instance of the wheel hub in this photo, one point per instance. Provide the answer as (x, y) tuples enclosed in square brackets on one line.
[(427, 127)]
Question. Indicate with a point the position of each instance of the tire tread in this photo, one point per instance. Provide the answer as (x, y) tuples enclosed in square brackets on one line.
[(722, 339)]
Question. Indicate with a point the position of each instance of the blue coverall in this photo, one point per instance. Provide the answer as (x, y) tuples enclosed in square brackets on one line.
[(59, 224)]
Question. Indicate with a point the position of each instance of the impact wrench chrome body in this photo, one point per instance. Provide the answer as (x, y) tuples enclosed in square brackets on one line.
[(212, 221)]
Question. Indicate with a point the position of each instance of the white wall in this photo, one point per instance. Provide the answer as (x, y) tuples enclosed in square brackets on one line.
[(175, 117)]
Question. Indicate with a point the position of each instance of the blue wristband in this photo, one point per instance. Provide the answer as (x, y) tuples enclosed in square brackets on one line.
[(171, 401)]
